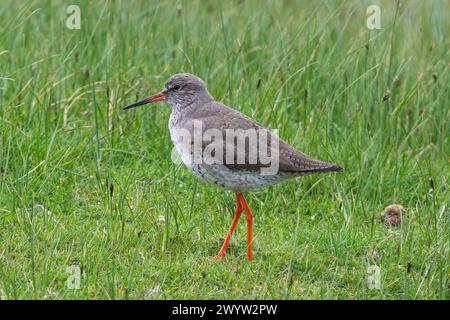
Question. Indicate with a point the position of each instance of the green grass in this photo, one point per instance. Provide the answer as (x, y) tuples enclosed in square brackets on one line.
[(83, 182)]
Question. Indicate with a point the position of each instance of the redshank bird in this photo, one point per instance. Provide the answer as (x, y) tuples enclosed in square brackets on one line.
[(224, 147)]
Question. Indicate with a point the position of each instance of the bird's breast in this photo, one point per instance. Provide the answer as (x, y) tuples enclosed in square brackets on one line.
[(181, 140)]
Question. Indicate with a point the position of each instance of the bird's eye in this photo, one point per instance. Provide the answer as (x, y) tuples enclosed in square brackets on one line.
[(176, 87)]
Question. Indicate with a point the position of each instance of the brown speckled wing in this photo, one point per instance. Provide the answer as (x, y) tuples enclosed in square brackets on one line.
[(218, 116)]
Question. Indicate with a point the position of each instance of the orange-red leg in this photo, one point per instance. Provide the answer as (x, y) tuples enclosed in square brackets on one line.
[(237, 215), (249, 217)]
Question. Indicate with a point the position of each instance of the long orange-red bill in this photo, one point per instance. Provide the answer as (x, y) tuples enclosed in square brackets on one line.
[(157, 97)]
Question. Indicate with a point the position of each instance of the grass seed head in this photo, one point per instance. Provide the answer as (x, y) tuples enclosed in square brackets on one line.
[(387, 95), (161, 220), (393, 215)]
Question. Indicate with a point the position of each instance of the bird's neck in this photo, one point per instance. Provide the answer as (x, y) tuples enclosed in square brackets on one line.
[(191, 103)]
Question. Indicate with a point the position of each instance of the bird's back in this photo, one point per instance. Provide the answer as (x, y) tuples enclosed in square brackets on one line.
[(217, 116)]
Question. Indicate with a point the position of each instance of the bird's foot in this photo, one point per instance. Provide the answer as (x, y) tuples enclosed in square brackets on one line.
[(219, 257)]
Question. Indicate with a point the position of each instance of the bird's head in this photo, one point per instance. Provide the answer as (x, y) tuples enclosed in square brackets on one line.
[(180, 91)]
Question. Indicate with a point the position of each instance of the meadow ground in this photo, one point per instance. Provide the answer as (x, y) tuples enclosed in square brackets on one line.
[(85, 186)]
